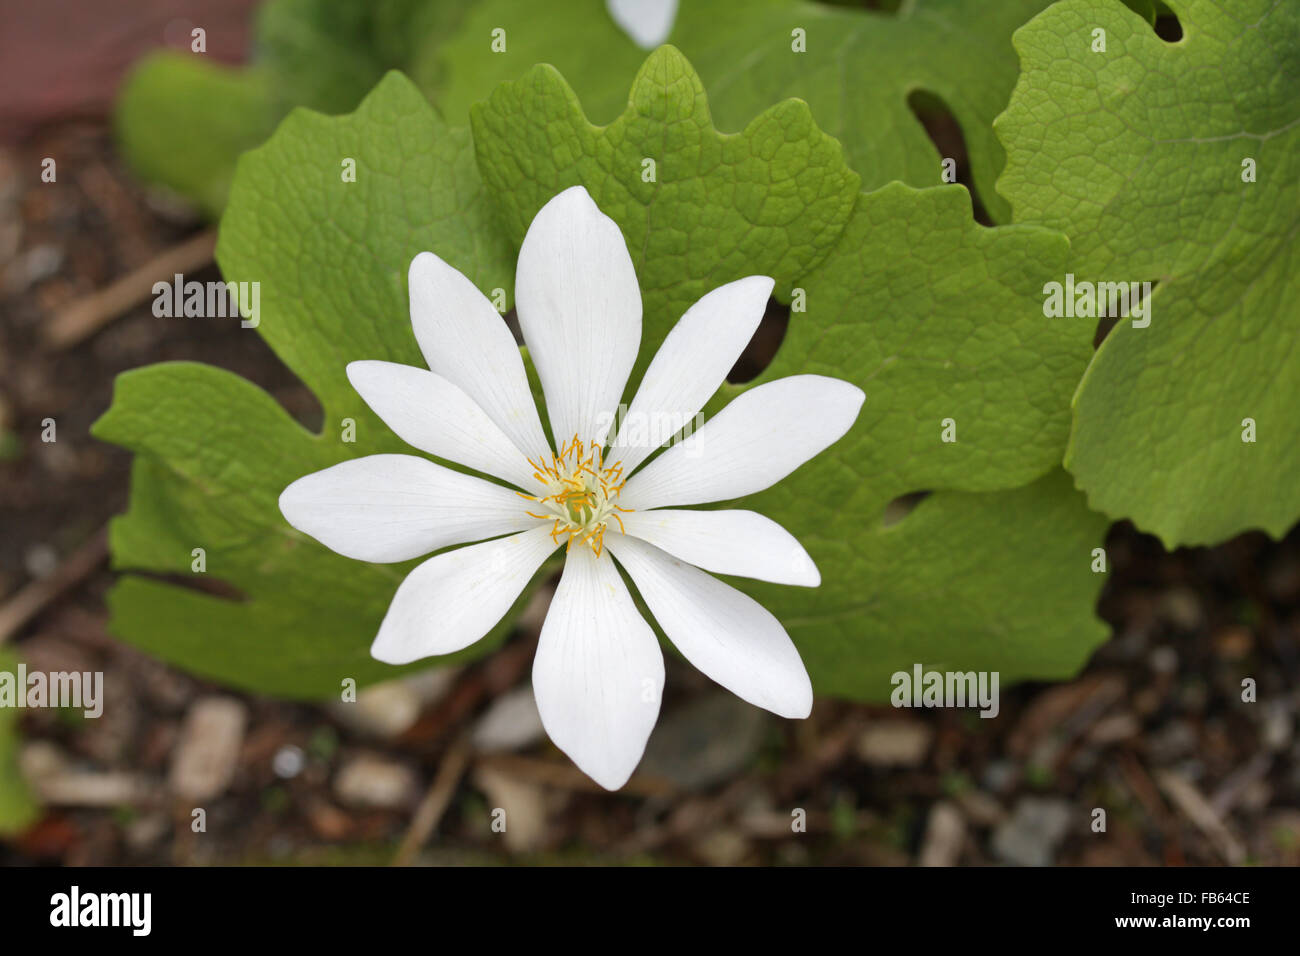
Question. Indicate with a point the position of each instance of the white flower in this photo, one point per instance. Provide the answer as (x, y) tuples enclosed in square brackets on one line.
[(598, 673), (647, 22)]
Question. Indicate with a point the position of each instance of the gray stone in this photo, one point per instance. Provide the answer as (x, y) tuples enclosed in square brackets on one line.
[(706, 741), (1031, 835)]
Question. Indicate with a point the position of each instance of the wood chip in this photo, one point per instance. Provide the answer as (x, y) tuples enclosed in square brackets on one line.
[(33, 598), (87, 316), (1189, 801)]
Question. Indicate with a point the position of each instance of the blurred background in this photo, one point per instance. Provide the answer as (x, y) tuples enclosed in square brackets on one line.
[(1154, 731)]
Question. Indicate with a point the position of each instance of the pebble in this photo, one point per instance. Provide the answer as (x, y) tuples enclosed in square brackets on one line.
[(35, 265), (723, 847), (146, 831), (999, 776), (895, 742), (1163, 659), (1182, 608), (370, 780), (510, 724), (40, 560), (759, 817), (524, 805), (56, 782), (288, 762), (1234, 643), (85, 788), (1278, 726), (1031, 835), (327, 820), (387, 710), (207, 751), (705, 741), (40, 759)]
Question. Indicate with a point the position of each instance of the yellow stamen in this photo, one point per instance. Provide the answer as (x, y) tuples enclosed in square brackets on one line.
[(577, 494)]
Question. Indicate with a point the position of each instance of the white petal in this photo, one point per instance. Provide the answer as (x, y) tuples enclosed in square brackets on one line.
[(454, 598), (465, 340), (726, 634), (758, 439), (580, 312), (387, 508), (599, 673), (647, 22), (690, 366), (744, 543), (430, 413)]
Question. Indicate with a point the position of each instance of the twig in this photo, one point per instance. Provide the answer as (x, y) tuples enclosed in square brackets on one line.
[(33, 598), (567, 777), (88, 315), (1184, 795), (1141, 785), (1239, 781), (435, 803)]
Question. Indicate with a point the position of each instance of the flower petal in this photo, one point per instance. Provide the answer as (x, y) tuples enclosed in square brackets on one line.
[(430, 413), (728, 635), (580, 312), (690, 366), (599, 673), (388, 508), (465, 340), (744, 543), (647, 22), (758, 439), (454, 598)]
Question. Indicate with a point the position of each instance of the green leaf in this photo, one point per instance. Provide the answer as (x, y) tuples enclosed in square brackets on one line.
[(17, 808), (998, 581), (182, 121), (932, 315), (214, 451), (771, 200), (858, 71), (1146, 9), (857, 74), (325, 55), (936, 318), (578, 36), (1137, 154)]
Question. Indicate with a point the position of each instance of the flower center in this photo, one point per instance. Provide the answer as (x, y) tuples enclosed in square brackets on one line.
[(580, 491)]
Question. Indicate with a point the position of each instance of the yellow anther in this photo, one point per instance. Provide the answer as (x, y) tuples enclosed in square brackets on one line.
[(578, 494)]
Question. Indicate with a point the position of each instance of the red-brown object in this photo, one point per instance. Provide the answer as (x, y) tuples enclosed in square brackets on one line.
[(62, 59)]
